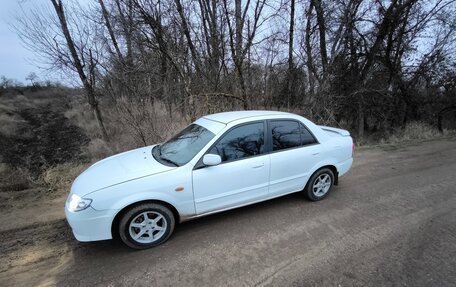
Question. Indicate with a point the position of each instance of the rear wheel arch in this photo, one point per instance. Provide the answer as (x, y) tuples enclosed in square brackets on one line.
[(315, 181), (332, 168), (117, 218)]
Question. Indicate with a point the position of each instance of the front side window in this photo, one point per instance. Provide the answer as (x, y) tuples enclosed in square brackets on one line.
[(240, 142), (285, 134), (184, 146)]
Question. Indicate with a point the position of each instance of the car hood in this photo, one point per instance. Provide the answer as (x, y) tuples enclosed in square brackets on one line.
[(117, 169)]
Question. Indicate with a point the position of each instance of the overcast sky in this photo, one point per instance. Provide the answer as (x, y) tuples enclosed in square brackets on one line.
[(14, 57)]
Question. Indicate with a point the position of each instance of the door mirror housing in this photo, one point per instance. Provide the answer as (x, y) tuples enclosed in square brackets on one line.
[(212, 159)]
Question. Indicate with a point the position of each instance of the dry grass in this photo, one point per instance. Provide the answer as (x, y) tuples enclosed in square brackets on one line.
[(60, 177), (13, 179), (129, 125), (81, 115), (9, 120), (9, 123), (97, 149), (415, 131), (144, 123), (57, 178)]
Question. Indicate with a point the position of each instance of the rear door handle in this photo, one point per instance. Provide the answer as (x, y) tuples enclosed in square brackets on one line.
[(316, 153), (258, 165)]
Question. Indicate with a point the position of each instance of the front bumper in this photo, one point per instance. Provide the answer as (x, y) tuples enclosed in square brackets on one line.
[(90, 224)]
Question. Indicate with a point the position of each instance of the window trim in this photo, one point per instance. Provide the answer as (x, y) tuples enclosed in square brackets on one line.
[(200, 163), (267, 140), (301, 124)]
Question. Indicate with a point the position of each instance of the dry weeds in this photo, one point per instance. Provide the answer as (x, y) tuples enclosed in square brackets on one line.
[(416, 131)]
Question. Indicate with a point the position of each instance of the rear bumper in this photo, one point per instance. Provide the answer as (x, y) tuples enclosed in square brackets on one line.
[(344, 166), (90, 224)]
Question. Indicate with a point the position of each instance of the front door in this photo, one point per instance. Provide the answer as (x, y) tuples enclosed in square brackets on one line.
[(243, 175)]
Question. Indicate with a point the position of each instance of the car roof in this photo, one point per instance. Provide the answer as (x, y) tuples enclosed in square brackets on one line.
[(228, 117)]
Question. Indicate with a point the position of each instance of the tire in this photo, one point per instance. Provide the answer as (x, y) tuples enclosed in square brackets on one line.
[(313, 191), (146, 225)]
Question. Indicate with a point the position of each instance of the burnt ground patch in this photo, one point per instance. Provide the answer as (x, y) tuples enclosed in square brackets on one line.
[(45, 138)]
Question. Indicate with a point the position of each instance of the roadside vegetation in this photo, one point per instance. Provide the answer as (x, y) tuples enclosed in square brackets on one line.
[(384, 70), (48, 136)]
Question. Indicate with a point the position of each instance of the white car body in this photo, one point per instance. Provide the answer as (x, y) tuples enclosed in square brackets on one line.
[(192, 190)]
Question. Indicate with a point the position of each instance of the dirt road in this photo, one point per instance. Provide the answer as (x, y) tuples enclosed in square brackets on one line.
[(391, 221)]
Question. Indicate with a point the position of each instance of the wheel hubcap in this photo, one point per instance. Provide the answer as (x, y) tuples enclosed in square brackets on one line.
[(321, 185), (147, 227)]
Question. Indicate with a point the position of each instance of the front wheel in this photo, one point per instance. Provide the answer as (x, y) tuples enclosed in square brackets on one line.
[(319, 185), (146, 225)]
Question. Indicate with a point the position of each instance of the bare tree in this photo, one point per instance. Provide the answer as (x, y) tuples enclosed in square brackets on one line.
[(238, 48), (51, 38), (290, 77), (32, 77), (363, 64)]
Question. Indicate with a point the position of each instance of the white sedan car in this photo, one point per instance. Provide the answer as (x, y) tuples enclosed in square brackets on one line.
[(219, 162)]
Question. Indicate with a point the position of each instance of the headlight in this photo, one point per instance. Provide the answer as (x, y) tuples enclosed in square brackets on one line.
[(76, 203)]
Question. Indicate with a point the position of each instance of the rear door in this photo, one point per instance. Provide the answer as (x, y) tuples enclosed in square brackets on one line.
[(243, 175), (295, 151)]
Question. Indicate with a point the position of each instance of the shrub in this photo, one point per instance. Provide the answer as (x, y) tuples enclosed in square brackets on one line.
[(415, 131), (97, 149), (14, 179), (60, 177)]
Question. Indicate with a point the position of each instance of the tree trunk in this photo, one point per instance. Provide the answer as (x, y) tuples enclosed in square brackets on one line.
[(239, 24), (239, 53), (110, 30), (90, 91), (440, 116), (310, 65), (322, 30), (360, 118), (290, 78), (186, 30)]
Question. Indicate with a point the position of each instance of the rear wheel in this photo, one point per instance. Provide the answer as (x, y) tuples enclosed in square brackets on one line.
[(146, 225), (319, 185)]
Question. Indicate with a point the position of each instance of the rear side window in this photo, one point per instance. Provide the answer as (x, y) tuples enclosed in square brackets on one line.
[(285, 134), (306, 137), (241, 142), (289, 134)]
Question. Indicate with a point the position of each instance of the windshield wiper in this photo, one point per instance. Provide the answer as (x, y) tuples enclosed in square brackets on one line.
[(168, 161), (160, 156)]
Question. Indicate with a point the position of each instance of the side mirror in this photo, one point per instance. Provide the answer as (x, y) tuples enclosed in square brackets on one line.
[(212, 159)]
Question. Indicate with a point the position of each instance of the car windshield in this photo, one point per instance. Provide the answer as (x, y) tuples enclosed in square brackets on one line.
[(184, 146)]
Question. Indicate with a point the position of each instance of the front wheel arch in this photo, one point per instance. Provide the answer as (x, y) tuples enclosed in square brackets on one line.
[(116, 220)]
